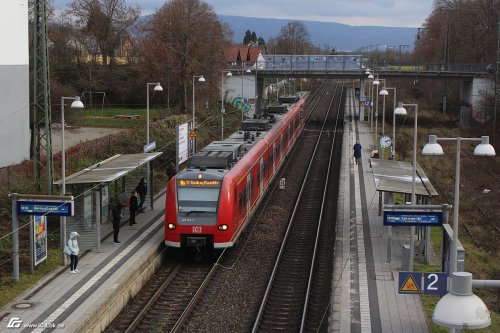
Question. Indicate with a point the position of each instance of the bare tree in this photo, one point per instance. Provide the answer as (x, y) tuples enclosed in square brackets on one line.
[(105, 21), (292, 39), (185, 38)]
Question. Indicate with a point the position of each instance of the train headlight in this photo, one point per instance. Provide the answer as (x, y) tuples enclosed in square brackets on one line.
[(171, 226), (223, 227)]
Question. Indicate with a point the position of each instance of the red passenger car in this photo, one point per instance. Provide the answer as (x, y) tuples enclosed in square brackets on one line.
[(209, 203)]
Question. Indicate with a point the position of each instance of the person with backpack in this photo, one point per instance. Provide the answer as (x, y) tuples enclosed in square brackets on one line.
[(74, 250), (142, 190)]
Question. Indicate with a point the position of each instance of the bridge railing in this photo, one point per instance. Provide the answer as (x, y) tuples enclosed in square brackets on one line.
[(435, 67), (311, 62), (353, 63)]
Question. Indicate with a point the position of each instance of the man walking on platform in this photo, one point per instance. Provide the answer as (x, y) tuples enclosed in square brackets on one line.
[(357, 152)]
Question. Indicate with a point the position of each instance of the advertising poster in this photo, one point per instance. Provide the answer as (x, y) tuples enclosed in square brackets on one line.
[(40, 238), (183, 140)]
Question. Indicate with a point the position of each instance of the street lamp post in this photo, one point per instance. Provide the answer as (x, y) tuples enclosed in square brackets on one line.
[(200, 79), (376, 83), (383, 93), (393, 147), (400, 109), (157, 87), (242, 90), (370, 78), (433, 148), (229, 74), (76, 104)]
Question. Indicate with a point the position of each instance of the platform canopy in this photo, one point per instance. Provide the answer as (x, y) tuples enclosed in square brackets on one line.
[(110, 169), (396, 176)]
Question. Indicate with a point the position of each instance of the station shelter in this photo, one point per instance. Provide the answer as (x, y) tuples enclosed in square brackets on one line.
[(396, 177), (95, 189)]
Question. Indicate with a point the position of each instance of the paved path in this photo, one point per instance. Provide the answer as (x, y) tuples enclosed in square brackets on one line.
[(74, 136)]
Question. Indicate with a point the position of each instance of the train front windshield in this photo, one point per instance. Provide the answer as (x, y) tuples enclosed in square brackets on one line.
[(198, 196)]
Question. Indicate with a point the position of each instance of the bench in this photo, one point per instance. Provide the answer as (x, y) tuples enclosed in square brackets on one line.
[(127, 116)]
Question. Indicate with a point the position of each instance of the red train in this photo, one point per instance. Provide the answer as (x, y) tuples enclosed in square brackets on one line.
[(210, 202)]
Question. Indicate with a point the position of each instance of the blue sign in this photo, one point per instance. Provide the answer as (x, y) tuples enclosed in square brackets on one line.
[(410, 282), (413, 218), (47, 208), (436, 283), (150, 146)]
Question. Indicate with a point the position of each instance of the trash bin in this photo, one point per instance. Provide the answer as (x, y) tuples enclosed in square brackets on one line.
[(405, 258)]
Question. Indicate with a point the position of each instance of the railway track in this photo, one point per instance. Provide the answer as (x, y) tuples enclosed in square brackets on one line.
[(163, 300), (285, 305), (209, 302)]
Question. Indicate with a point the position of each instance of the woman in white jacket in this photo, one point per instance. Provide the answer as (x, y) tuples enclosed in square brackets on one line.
[(73, 247)]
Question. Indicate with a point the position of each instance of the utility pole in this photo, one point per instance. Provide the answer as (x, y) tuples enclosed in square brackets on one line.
[(41, 117), (497, 83)]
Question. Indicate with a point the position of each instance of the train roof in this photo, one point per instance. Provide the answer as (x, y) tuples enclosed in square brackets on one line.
[(225, 154)]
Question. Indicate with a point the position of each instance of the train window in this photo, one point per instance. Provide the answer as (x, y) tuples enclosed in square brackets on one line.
[(250, 186), (197, 199), (243, 200)]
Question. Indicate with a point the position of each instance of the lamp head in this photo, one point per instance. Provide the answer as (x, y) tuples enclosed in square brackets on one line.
[(229, 74), (201, 79), (158, 87), (400, 110), (432, 148), (484, 148), (370, 77), (376, 82), (383, 92), (248, 71), (77, 103), (460, 308)]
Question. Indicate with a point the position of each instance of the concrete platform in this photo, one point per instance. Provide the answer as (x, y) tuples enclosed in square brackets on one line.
[(365, 287), (88, 301)]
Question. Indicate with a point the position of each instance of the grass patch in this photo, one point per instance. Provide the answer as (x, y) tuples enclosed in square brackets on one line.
[(106, 117), (9, 289)]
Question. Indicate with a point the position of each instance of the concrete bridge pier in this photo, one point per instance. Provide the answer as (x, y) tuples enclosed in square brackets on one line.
[(473, 101)]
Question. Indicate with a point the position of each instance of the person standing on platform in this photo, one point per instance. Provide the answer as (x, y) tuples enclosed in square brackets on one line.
[(142, 190), (357, 152), (73, 247), (133, 207), (116, 213)]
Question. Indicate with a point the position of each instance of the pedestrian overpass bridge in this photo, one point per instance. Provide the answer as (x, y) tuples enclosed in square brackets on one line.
[(475, 79), (356, 66)]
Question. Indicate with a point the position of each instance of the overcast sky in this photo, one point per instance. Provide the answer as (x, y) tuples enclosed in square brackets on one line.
[(391, 13)]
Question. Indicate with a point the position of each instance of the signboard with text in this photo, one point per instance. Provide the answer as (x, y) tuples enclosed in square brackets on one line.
[(413, 218), (46, 208), (433, 283)]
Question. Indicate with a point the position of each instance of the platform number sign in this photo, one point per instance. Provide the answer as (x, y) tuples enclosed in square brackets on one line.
[(435, 283)]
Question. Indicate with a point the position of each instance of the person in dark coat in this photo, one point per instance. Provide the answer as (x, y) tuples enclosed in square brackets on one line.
[(357, 152), (142, 190), (133, 207), (116, 212)]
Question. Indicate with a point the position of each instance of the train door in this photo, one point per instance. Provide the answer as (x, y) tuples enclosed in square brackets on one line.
[(274, 157), (249, 192), (261, 175)]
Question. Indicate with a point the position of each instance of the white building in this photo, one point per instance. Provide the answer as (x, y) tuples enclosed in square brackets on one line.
[(14, 83)]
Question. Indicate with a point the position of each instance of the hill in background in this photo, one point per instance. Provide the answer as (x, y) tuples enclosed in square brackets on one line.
[(342, 37)]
